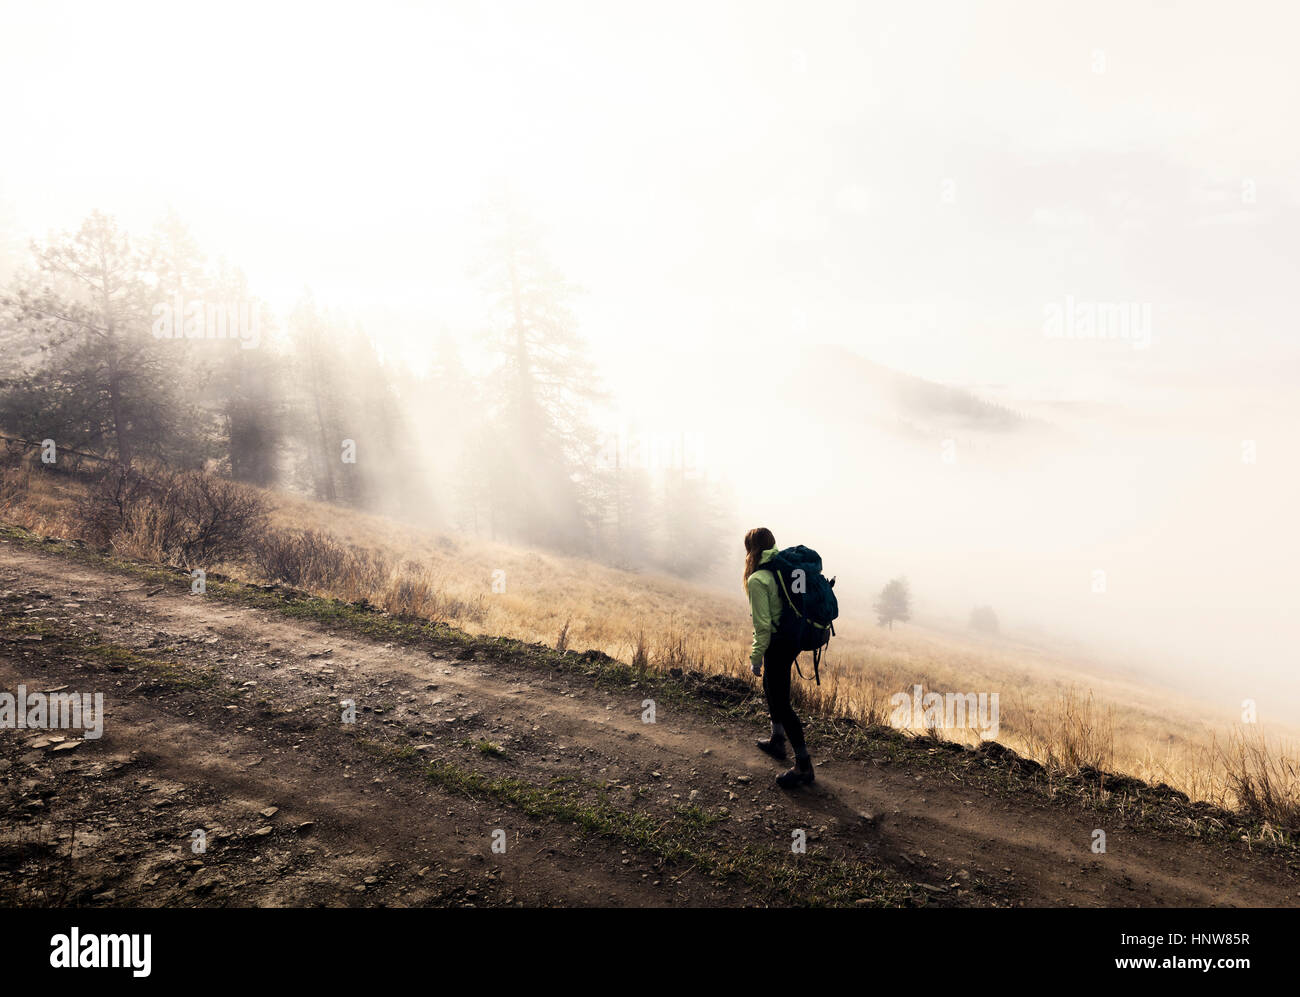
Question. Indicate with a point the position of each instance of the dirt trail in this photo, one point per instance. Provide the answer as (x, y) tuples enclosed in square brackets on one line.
[(242, 714)]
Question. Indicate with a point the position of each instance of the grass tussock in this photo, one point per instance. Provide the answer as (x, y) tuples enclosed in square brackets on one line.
[(1264, 781), (1071, 733)]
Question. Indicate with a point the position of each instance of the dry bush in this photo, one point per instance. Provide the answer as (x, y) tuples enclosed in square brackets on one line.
[(15, 484), (407, 594), (640, 654), (214, 519), (1265, 782), (103, 510), (317, 561), (471, 610), (297, 557), (415, 591), (34, 497), (183, 519), (677, 648)]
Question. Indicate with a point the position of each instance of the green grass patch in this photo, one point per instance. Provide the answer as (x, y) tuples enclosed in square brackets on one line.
[(91, 649), (682, 838)]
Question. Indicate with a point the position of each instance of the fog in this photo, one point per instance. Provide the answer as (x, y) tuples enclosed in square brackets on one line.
[(991, 296)]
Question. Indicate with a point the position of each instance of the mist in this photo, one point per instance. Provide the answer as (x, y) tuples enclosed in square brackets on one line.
[(994, 298)]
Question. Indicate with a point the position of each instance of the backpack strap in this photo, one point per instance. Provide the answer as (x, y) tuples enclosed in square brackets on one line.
[(817, 658)]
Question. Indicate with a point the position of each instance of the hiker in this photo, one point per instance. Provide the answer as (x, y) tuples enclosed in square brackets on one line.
[(772, 657)]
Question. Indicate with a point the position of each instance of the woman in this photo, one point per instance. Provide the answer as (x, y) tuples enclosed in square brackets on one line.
[(772, 656)]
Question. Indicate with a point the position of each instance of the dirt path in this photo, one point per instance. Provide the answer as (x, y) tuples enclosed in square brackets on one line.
[(216, 713)]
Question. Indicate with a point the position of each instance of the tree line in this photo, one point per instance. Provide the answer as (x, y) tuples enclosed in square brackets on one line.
[(148, 354)]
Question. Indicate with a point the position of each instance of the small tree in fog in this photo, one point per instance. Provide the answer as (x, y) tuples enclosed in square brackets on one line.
[(983, 619), (894, 603)]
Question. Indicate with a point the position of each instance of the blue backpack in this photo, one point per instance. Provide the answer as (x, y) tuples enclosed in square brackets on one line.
[(808, 601)]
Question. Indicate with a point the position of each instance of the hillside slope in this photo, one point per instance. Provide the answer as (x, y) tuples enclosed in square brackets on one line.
[(224, 706), (1059, 704)]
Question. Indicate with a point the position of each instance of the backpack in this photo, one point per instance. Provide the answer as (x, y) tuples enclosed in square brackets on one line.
[(810, 600)]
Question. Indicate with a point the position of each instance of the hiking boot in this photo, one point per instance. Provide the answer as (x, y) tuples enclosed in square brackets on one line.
[(800, 775), (774, 746)]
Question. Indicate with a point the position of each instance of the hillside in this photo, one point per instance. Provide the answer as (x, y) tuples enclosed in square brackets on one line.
[(1067, 711), (485, 772)]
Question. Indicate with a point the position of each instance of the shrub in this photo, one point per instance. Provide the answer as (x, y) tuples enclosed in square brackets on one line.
[(1265, 781), (215, 519), (105, 507), (316, 560), (182, 519), (300, 558), (15, 482)]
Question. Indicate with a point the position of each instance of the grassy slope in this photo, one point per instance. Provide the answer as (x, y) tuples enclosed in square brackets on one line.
[(1066, 712), (991, 767)]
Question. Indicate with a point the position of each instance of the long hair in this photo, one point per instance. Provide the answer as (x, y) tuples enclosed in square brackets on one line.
[(757, 540)]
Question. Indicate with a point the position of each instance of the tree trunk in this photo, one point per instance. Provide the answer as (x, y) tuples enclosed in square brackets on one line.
[(120, 431)]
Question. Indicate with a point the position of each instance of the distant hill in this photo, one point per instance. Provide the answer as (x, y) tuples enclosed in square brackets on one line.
[(867, 393)]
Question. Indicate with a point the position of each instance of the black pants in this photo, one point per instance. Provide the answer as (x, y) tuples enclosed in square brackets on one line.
[(778, 663)]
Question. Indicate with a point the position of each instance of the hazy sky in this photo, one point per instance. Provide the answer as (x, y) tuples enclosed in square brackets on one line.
[(734, 184), (915, 180)]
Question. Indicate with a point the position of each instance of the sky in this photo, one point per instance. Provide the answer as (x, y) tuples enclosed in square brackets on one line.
[(737, 187), (917, 181)]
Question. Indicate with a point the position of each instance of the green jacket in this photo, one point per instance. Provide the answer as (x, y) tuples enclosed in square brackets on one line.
[(764, 606)]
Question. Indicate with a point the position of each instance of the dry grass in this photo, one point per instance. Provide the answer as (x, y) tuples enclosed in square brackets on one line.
[(1070, 733), (1263, 780), (1067, 712)]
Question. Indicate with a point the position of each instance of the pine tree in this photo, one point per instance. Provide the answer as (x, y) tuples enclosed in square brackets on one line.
[(82, 365), (236, 391), (318, 432), (541, 473), (894, 603)]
